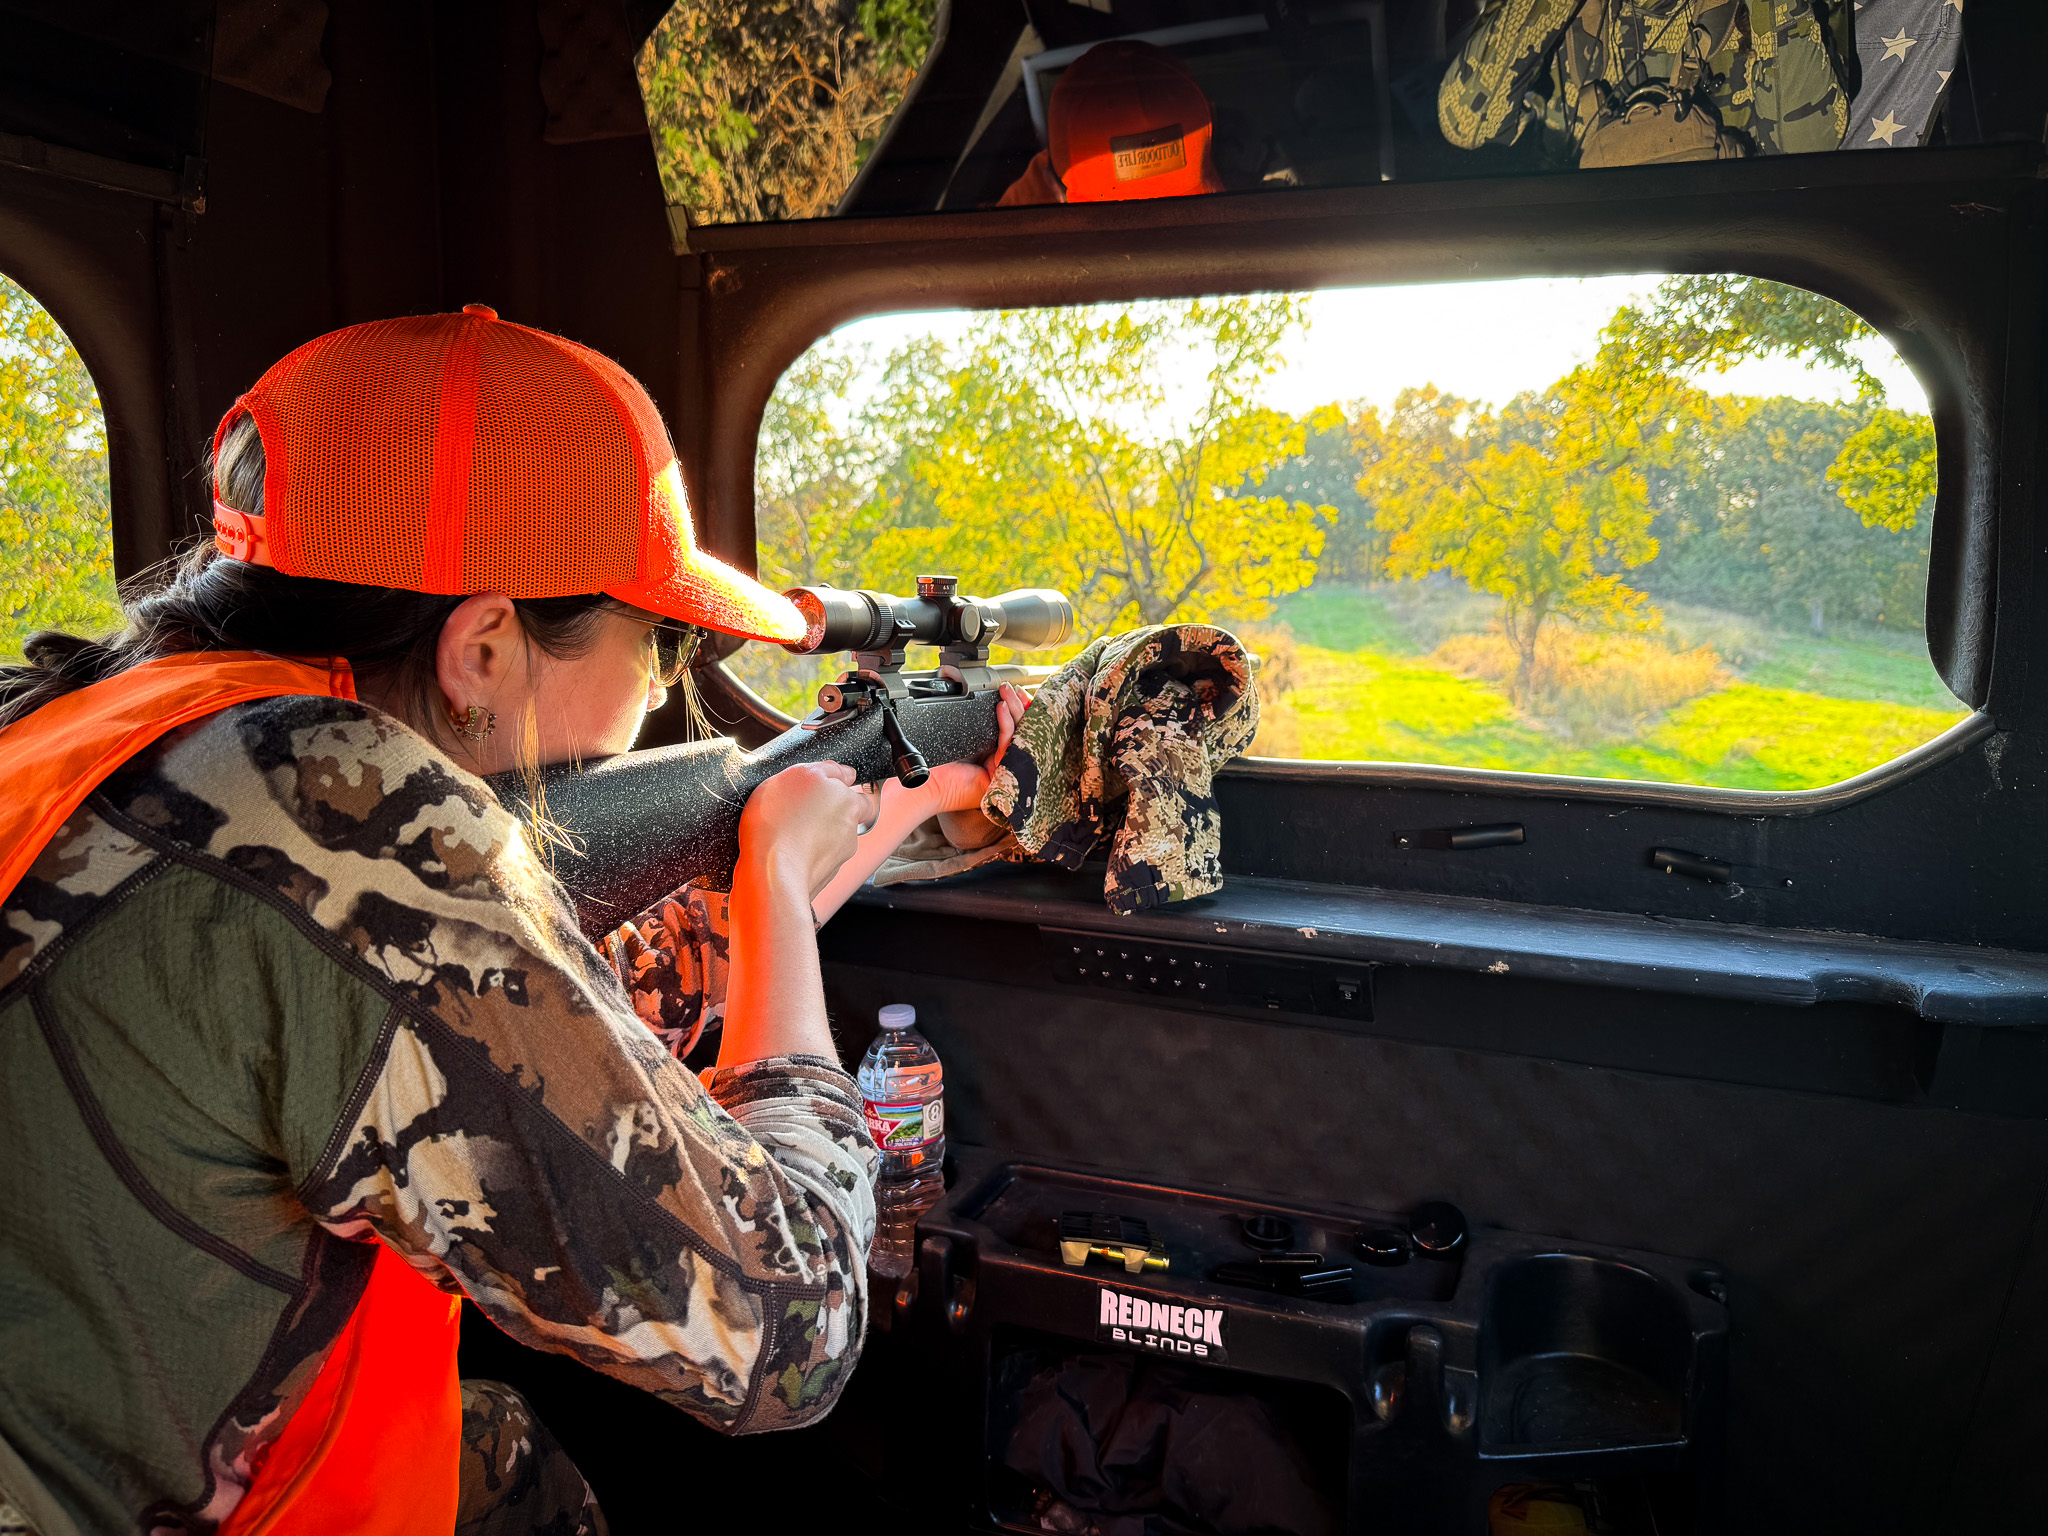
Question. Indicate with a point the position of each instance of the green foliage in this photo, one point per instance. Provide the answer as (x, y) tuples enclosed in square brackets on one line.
[(1749, 520), (1335, 453), (56, 547), (812, 481), (766, 109), (1717, 321), (1018, 459), (1886, 470)]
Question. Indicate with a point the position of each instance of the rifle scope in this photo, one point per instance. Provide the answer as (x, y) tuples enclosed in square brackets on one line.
[(1027, 619)]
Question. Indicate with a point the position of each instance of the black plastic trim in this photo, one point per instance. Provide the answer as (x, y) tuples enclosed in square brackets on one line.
[(1627, 184)]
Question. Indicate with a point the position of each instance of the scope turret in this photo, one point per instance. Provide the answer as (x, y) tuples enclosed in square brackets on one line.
[(1028, 619)]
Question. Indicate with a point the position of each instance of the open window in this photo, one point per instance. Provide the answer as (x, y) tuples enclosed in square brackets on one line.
[(1633, 528), (56, 538)]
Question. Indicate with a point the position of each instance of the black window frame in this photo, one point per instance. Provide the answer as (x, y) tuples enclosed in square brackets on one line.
[(1939, 250)]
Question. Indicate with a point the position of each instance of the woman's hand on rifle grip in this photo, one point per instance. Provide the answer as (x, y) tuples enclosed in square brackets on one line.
[(802, 824)]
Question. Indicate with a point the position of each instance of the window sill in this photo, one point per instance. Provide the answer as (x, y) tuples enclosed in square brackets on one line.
[(1942, 983)]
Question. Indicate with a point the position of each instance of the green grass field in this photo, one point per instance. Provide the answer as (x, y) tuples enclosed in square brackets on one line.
[(1801, 711)]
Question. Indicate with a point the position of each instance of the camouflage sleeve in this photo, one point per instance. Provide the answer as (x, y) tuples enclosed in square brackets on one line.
[(672, 962), (596, 1200), (1480, 100), (513, 1128)]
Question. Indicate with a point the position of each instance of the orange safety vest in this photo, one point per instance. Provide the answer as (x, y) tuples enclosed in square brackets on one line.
[(375, 1447)]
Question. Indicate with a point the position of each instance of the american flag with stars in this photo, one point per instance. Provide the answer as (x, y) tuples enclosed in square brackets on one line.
[(1909, 50)]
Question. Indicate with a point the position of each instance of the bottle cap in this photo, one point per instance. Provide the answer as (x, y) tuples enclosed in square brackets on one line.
[(898, 1016)]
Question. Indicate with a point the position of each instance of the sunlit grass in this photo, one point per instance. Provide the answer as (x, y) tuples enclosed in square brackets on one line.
[(1886, 666), (1799, 740), (1724, 700), (1367, 706)]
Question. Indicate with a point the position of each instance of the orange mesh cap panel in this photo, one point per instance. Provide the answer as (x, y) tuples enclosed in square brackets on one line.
[(348, 450), (461, 453), (551, 437), (1127, 121)]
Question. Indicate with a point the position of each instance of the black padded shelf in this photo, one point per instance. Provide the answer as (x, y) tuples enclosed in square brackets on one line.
[(1319, 924)]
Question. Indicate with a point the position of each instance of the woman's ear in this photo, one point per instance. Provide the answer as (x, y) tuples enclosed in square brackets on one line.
[(481, 642)]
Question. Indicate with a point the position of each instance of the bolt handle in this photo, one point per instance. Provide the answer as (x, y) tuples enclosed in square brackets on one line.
[(911, 768)]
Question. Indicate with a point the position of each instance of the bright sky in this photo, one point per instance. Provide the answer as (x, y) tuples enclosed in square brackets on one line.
[(1483, 341)]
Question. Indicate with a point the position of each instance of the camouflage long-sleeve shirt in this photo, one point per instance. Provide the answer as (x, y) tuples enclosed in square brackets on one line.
[(292, 981)]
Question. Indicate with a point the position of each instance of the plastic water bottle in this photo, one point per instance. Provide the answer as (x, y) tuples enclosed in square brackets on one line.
[(903, 1094)]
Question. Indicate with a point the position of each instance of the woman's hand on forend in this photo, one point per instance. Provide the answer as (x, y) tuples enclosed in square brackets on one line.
[(955, 789), (803, 823)]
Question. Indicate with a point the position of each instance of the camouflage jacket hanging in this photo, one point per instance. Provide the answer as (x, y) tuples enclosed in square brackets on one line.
[(1121, 744), (1776, 75)]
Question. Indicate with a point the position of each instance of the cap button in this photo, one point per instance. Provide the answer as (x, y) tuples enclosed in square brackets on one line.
[(483, 311)]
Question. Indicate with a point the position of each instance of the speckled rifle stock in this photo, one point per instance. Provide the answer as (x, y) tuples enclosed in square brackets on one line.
[(646, 823)]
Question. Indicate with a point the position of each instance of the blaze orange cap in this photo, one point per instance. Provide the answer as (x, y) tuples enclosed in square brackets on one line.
[(1126, 121), (462, 453)]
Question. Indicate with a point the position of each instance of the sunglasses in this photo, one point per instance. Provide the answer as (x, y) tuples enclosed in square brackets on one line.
[(675, 648)]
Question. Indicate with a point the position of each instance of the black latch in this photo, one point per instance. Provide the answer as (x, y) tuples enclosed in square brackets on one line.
[(1675, 862), (1495, 834)]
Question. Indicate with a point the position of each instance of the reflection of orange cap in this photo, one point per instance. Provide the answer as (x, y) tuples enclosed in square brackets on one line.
[(1127, 120), (462, 453)]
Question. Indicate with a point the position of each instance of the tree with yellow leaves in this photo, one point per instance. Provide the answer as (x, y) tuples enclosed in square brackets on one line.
[(56, 544), (1886, 471), (1543, 505), (1044, 451)]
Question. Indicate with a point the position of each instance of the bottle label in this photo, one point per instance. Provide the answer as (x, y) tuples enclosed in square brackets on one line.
[(903, 1082), (905, 1126)]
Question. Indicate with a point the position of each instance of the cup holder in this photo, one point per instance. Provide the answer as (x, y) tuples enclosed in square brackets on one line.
[(1267, 1232), (1580, 1354)]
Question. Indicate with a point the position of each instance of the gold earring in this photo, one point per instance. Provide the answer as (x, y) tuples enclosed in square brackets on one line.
[(474, 723)]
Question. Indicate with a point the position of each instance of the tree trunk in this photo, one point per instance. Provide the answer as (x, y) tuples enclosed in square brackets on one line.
[(1816, 614), (1523, 631), (1525, 669)]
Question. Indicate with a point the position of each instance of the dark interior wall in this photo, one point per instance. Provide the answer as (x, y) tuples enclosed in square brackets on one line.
[(426, 182), (1883, 1258)]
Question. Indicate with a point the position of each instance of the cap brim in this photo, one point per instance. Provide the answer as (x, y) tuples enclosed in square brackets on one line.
[(678, 580), (702, 589)]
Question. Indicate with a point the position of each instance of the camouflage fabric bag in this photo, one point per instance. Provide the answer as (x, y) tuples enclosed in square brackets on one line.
[(1773, 76), (1123, 743)]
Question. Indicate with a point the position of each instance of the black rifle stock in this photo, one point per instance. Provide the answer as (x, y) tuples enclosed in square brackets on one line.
[(643, 824)]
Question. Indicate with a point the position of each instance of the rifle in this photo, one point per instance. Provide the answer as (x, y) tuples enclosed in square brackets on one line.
[(641, 824)]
